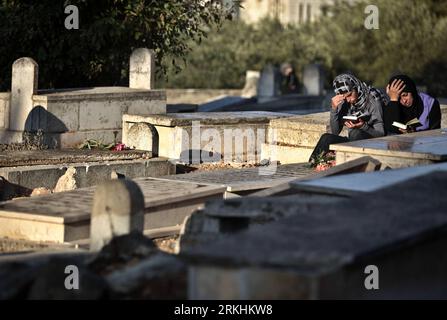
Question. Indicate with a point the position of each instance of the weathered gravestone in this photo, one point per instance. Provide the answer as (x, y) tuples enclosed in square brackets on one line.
[(251, 84), (23, 87), (118, 209), (269, 84), (142, 69), (313, 80)]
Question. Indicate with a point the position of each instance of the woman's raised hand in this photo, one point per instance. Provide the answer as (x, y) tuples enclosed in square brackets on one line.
[(336, 101), (395, 89)]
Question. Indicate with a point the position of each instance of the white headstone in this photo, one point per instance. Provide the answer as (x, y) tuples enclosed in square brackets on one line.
[(269, 84), (142, 69), (313, 80), (23, 87), (118, 209), (251, 84)]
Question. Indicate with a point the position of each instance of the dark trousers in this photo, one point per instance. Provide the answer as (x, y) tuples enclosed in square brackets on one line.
[(327, 139)]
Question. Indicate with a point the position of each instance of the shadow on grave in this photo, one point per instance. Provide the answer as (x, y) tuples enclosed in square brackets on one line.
[(40, 120), (196, 157)]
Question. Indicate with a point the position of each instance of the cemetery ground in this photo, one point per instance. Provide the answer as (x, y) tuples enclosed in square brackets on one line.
[(217, 201)]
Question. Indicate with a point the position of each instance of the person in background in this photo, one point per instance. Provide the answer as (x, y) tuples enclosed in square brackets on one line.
[(406, 104), (289, 81), (352, 98)]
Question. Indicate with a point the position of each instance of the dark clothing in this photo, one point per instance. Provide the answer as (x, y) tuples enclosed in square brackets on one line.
[(394, 111), (289, 84), (327, 139), (373, 125), (424, 108), (369, 104)]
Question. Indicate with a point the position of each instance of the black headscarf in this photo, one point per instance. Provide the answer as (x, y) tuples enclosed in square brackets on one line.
[(415, 111)]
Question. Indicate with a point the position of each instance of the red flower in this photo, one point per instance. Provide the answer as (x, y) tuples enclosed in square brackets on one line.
[(119, 147)]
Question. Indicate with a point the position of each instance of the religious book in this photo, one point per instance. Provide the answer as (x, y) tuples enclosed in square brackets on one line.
[(412, 124), (356, 117)]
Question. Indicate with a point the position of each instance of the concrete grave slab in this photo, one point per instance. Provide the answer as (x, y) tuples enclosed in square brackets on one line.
[(323, 253), (353, 184), (399, 150), (246, 180), (65, 216), (235, 136), (88, 174)]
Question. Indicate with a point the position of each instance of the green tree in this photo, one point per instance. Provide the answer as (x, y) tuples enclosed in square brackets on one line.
[(98, 53), (222, 59), (411, 40)]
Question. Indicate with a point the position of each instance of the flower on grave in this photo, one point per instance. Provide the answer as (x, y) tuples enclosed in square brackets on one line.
[(323, 161), (120, 147)]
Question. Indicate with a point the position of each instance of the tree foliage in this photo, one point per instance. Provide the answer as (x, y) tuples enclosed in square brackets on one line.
[(412, 39), (98, 53), (222, 59)]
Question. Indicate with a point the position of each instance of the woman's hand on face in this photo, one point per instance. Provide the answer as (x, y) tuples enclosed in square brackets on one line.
[(355, 125), (395, 89), (336, 101)]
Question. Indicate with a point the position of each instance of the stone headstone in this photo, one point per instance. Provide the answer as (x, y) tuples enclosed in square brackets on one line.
[(142, 136), (23, 87), (251, 84), (118, 209), (313, 80), (142, 69), (269, 84)]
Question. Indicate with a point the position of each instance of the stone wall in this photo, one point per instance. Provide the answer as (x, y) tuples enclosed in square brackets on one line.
[(92, 113)]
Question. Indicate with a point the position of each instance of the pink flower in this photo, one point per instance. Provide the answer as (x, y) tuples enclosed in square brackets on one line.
[(119, 147)]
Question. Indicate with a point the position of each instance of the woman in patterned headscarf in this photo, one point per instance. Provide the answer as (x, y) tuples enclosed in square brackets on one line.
[(352, 98)]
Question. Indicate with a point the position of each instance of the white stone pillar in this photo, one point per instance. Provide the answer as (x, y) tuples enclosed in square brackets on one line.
[(313, 80), (23, 87), (142, 69)]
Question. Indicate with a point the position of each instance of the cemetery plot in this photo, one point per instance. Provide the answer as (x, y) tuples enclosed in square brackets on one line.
[(65, 216), (322, 252), (47, 157), (247, 180), (192, 137), (356, 183), (398, 151)]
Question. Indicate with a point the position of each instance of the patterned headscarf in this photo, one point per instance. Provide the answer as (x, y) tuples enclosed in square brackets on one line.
[(345, 83)]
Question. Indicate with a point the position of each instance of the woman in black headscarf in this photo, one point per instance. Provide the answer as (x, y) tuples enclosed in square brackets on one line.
[(406, 104), (352, 98)]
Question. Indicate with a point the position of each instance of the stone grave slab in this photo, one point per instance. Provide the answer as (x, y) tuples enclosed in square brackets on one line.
[(356, 183), (65, 217), (398, 151), (225, 135), (52, 156), (363, 164), (246, 180), (323, 253)]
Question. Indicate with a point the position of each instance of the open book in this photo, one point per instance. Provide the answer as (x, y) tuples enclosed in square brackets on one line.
[(413, 124), (356, 117)]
